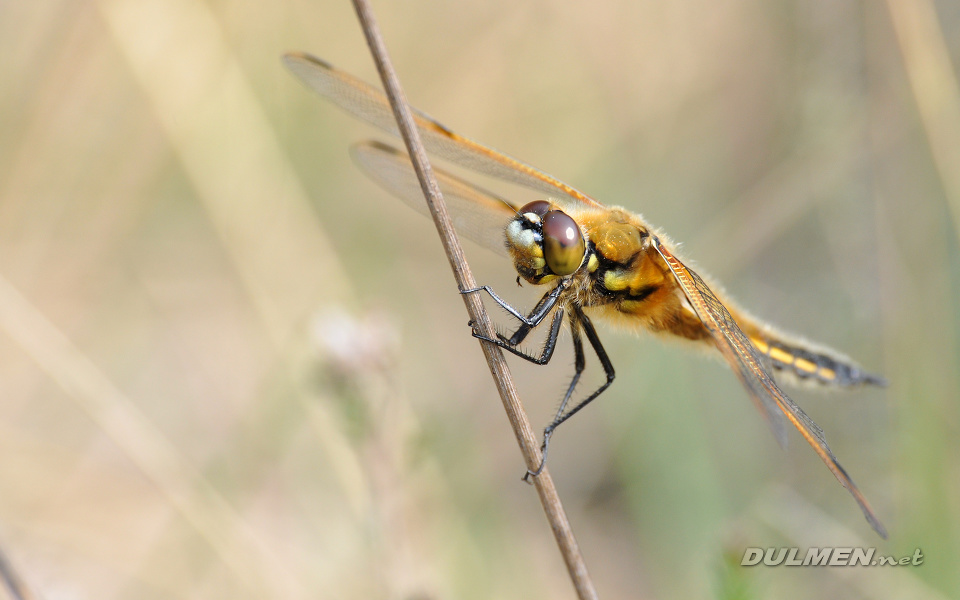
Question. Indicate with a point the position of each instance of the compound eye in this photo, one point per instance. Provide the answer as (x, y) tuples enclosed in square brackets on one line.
[(563, 245), (537, 207)]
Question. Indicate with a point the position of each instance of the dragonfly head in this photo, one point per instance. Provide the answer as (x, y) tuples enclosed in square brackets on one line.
[(545, 242)]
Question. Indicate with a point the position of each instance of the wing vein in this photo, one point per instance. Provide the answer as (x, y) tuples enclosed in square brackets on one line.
[(747, 364)]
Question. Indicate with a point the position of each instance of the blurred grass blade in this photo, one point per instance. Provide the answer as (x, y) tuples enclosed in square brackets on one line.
[(934, 83), (188, 491), (231, 155)]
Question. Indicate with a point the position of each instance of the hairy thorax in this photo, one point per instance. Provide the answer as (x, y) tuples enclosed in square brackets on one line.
[(628, 281)]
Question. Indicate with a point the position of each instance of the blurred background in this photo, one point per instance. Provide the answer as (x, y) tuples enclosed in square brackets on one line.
[(230, 366)]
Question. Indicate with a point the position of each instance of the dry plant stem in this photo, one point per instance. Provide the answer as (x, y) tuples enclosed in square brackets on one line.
[(16, 588), (526, 437)]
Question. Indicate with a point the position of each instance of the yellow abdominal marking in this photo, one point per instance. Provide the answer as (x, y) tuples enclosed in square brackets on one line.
[(800, 364), (828, 373)]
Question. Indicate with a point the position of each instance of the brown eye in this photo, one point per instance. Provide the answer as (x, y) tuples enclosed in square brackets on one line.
[(537, 207), (563, 245)]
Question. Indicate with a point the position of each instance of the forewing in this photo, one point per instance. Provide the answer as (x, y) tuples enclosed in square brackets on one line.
[(477, 214), (748, 365), (370, 104)]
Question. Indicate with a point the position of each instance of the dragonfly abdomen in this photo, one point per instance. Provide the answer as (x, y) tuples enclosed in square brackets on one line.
[(813, 365)]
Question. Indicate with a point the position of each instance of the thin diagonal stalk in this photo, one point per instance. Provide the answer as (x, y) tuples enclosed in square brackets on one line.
[(12, 582), (936, 89), (526, 437)]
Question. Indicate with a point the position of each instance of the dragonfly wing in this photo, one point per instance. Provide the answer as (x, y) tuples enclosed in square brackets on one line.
[(749, 367), (477, 214), (370, 104)]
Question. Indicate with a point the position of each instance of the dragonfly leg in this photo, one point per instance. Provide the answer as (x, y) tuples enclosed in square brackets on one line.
[(578, 321), (540, 311), (580, 363), (546, 303), (546, 353), (548, 300)]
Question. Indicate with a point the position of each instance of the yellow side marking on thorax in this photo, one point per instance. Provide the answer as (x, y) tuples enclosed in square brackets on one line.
[(593, 263), (617, 280)]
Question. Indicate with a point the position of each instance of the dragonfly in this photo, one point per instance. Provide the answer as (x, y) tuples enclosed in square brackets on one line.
[(595, 261)]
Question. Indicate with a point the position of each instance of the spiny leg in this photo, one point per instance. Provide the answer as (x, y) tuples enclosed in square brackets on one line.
[(548, 299), (542, 308), (608, 369), (540, 311), (578, 320), (546, 353), (580, 363)]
